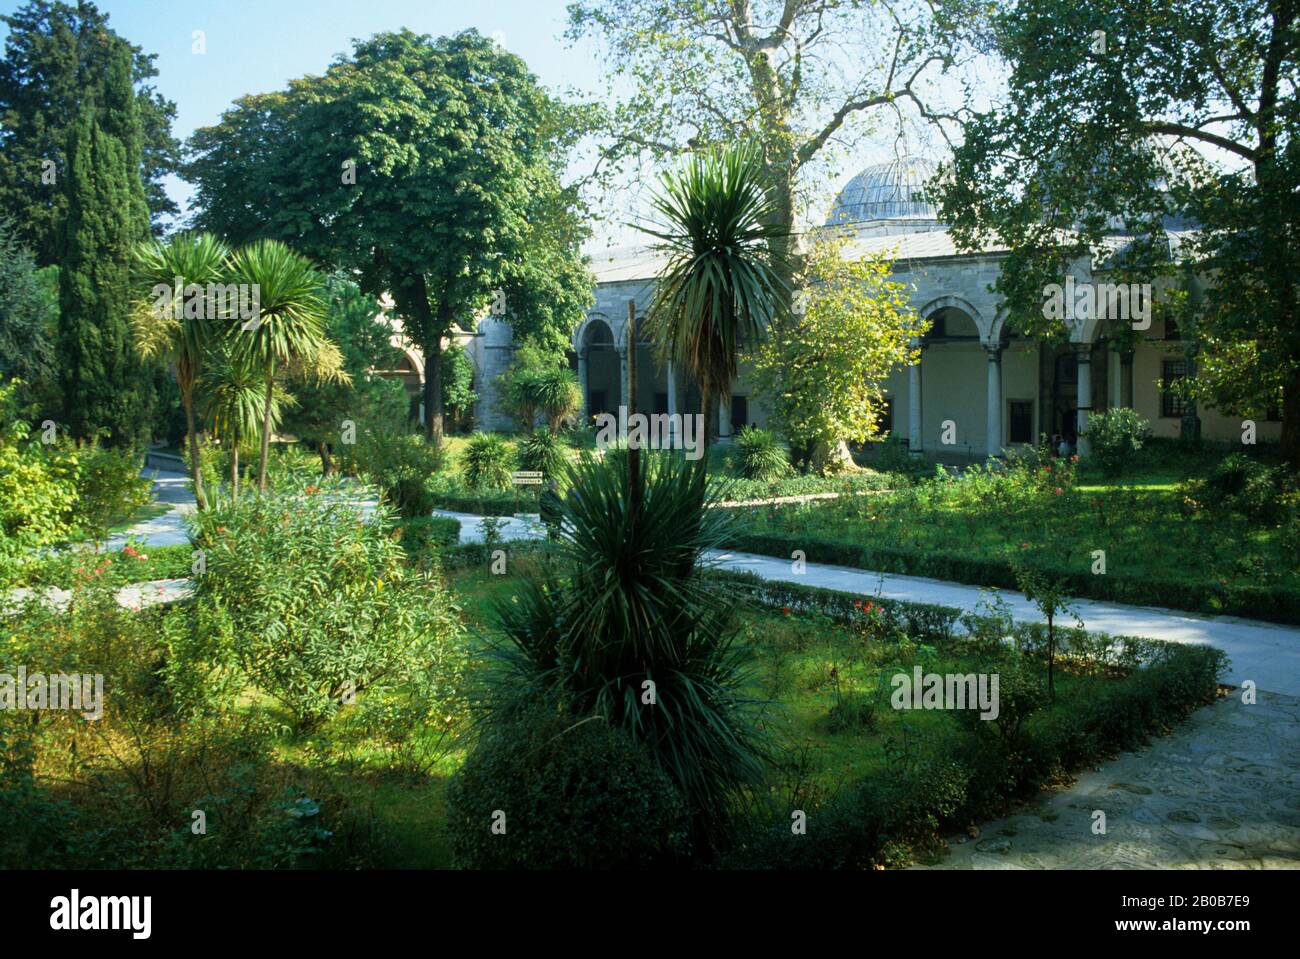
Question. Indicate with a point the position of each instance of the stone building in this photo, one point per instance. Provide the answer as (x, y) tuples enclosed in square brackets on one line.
[(980, 387)]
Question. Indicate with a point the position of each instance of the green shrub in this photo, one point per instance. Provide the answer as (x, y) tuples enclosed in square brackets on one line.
[(401, 464), (761, 455), (543, 451), (488, 462), (424, 535), (576, 793), (1117, 437), (1240, 484), (316, 601), (110, 488)]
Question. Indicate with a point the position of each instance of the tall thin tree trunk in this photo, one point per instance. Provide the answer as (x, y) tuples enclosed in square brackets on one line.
[(266, 428), (234, 468), (193, 440), (1291, 420)]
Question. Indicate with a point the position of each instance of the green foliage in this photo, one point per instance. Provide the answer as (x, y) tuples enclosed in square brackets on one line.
[(762, 457), (315, 603), (455, 153), (543, 451), (1240, 484), (488, 461), (537, 382), (28, 324), (1117, 437), (577, 793), (38, 485), (827, 367), (368, 400), (425, 535), (1051, 199), (458, 395), (628, 608), (57, 60), (104, 389), (401, 465), (110, 488)]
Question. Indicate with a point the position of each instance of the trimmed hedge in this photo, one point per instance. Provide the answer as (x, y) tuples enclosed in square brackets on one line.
[(1273, 603), (887, 819)]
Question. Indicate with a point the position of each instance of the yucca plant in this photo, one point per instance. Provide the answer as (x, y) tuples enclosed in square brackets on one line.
[(557, 394), (164, 328), (542, 451), (488, 462), (761, 455), (626, 607), (288, 335), (720, 286)]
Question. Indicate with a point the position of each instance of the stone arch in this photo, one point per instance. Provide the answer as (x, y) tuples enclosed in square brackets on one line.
[(960, 305), (590, 332)]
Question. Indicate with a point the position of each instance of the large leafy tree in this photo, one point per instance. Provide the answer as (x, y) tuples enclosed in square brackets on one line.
[(104, 388), (825, 371), (56, 58), (720, 285), (1137, 118), (429, 168), (801, 78)]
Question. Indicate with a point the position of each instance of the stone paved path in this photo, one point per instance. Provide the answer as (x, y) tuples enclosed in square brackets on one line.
[(1267, 653), (1221, 792)]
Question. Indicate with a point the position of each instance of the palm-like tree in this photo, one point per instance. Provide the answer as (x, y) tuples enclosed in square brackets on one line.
[(288, 335), (234, 394), (720, 285), (194, 258)]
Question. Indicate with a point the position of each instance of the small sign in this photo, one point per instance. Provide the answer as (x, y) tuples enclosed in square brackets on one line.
[(526, 478)]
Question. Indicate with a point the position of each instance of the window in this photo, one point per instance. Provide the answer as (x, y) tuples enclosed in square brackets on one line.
[(739, 412), (885, 421), (1172, 403), (1171, 329), (596, 402), (1020, 421)]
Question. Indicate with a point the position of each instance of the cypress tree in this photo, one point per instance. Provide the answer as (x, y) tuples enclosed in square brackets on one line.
[(105, 387)]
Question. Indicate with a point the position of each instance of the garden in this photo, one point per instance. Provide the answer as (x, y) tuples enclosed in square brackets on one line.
[(338, 693)]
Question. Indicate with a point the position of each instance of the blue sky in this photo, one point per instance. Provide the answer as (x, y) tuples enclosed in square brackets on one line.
[(258, 45)]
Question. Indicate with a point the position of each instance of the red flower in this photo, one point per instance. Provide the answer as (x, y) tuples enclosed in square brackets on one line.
[(870, 607), (1059, 491), (786, 610), (857, 604), (130, 551)]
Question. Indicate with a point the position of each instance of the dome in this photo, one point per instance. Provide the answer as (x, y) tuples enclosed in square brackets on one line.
[(886, 191)]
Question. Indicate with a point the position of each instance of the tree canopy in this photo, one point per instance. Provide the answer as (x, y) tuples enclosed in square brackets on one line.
[(56, 57), (1171, 124), (428, 168)]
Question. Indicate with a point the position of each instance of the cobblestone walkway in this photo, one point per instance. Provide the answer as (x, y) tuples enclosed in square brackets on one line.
[(1221, 792)]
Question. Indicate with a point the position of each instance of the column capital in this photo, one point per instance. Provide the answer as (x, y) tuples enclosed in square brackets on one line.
[(1083, 351), (994, 350)]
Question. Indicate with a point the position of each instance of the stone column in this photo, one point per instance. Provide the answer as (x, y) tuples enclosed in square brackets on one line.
[(672, 404), (622, 378), (1083, 351), (994, 426), (584, 410), (914, 406), (724, 417), (1114, 380)]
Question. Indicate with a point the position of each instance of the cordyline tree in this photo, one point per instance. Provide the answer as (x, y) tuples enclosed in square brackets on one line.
[(1135, 118), (102, 376), (427, 168), (55, 60), (793, 76)]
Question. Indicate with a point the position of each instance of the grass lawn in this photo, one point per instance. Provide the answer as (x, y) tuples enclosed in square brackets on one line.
[(958, 528)]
